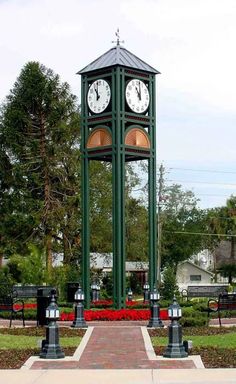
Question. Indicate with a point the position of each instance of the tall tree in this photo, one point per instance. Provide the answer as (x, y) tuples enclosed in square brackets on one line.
[(39, 136), (222, 222), (182, 225)]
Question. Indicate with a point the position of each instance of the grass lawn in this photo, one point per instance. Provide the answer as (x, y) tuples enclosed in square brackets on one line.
[(22, 342), (227, 340)]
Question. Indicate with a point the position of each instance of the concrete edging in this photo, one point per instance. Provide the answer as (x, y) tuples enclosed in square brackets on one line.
[(32, 359), (152, 356)]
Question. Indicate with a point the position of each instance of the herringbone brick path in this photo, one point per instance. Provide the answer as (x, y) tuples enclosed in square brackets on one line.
[(114, 348)]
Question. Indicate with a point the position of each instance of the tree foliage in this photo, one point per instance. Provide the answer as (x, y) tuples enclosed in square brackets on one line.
[(182, 224), (39, 142), (222, 221)]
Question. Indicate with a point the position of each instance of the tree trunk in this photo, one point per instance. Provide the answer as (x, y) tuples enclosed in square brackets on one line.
[(232, 251), (48, 246), (66, 249), (47, 193)]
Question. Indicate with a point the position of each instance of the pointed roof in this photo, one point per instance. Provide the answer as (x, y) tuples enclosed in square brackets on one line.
[(118, 56)]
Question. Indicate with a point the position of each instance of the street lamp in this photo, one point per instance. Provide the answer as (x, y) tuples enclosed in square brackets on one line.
[(50, 347), (146, 292), (175, 348), (79, 321), (155, 321)]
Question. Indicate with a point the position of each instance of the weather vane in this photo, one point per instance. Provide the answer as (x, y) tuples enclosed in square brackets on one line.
[(118, 41)]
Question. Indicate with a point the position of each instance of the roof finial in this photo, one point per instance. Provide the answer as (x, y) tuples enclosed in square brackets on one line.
[(118, 41)]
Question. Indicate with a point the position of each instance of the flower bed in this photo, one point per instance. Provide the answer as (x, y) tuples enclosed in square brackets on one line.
[(108, 314), (115, 315), (26, 306)]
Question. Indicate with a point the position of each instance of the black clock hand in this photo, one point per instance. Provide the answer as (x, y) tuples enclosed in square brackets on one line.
[(138, 92), (96, 90), (140, 97)]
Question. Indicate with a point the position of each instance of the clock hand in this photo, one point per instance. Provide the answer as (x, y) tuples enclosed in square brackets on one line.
[(96, 90), (138, 93)]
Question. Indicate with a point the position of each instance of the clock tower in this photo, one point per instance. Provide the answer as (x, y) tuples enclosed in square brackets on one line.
[(118, 125)]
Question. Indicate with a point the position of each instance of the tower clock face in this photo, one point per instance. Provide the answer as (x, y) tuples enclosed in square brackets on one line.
[(137, 96), (99, 95)]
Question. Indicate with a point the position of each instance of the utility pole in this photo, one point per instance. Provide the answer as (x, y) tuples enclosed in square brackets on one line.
[(159, 223)]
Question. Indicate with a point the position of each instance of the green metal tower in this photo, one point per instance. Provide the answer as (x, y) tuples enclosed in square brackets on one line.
[(118, 126)]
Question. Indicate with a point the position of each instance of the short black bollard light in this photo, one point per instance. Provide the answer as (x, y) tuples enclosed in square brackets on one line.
[(175, 348), (50, 347), (146, 292), (155, 321), (79, 321), (94, 292), (130, 295), (98, 292)]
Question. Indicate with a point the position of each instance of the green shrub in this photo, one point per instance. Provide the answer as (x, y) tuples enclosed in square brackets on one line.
[(107, 286), (199, 321), (192, 317), (28, 269), (169, 288), (134, 284)]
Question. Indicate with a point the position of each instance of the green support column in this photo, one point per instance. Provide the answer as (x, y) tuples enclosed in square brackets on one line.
[(85, 231), (152, 190), (85, 266), (118, 233), (118, 202), (152, 224)]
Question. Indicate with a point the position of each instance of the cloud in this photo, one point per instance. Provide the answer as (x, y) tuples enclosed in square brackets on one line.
[(193, 45), (61, 30)]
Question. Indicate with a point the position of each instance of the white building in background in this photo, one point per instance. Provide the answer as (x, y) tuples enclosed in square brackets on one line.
[(189, 273)]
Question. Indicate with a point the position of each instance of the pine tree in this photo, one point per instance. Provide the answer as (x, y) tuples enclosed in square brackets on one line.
[(40, 136)]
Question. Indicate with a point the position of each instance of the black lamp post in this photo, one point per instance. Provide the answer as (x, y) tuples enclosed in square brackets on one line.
[(146, 292), (50, 347), (155, 321), (79, 321), (175, 347), (130, 295)]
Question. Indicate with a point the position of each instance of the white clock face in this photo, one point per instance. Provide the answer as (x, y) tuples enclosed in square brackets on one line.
[(99, 95), (137, 96)]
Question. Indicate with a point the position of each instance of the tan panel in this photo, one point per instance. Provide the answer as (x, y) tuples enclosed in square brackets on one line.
[(137, 138), (99, 138)]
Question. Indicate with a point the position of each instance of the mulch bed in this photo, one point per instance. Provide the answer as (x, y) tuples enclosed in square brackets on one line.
[(14, 359), (211, 357)]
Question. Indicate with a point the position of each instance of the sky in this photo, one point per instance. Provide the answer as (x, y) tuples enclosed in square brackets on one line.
[(191, 42)]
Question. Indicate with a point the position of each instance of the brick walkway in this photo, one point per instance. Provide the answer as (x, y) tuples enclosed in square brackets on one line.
[(114, 348)]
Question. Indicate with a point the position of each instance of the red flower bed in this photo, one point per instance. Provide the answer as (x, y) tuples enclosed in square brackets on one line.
[(102, 303), (115, 314), (26, 306)]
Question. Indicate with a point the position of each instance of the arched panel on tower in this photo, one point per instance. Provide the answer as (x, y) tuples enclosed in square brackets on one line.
[(137, 137), (99, 137)]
